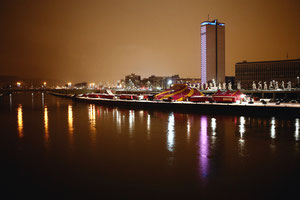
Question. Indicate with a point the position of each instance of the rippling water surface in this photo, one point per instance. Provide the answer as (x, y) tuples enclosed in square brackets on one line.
[(57, 147)]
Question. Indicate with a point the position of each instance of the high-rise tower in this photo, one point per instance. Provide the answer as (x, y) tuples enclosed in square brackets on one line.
[(212, 51)]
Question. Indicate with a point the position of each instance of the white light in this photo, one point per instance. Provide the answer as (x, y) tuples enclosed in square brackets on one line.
[(297, 129), (273, 126), (169, 82), (213, 125), (171, 123)]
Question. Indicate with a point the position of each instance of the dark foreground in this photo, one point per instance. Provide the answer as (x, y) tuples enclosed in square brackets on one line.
[(53, 147)]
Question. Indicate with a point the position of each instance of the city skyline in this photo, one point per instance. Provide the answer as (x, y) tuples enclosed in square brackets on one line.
[(104, 41)]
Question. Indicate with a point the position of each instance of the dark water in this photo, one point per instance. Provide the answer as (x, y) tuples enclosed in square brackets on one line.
[(54, 147)]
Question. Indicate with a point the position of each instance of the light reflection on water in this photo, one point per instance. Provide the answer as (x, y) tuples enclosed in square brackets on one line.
[(118, 120), (92, 121), (70, 123), (46, 125), (200, 140), (148, 125), (188, 127), (131, 121), (20, 121), (273, 127), (171, 132), (242, 131), (203, 148), (297, 129)]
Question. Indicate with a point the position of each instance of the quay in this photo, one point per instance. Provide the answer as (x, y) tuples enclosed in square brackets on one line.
[(245, 109)]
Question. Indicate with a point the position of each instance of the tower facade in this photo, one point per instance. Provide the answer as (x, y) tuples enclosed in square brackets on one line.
[(212, 51)]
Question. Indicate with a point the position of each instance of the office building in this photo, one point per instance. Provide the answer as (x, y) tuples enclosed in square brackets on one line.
[(212, 51), (279, 70)]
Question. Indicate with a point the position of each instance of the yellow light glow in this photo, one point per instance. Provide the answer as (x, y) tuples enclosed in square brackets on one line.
[(18, 84), (20, 121), (70, 119), (46, 123), (92, 118), (70, 124)]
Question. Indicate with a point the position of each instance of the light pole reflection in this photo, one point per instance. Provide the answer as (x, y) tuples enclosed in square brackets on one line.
[(213, 126), (20, 121), (171, 123), (148, 124), (10, 102), (242, 129), (119, 120), (32, 100), (43, 100), (203, 149), (46, 124), (273, 126), (92, 121), (131, 121), (297, 129), (70, 123), (70, 119), (188, 129)]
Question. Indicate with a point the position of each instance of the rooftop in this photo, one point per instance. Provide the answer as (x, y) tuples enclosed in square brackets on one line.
[(272, 61), (214, 22)]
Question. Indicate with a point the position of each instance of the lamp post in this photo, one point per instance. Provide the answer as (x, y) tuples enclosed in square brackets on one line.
[(298, 82)]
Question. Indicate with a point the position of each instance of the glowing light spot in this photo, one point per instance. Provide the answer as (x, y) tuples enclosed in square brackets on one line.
[(171, 123), (20, 121), (273, 127), (297, 137), (203, 149), (46, 124)]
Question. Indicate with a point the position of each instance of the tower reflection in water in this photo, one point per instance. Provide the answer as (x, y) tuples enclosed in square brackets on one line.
[(203, 149), (20, 122)]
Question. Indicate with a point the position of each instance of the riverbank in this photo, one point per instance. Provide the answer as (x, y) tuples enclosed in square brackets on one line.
[(257, 108)]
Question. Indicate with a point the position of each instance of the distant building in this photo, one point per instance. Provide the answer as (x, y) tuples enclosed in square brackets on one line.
[(132, 80), (160, 82), (279, 70), (212, 51), (81, 85), (189, 80)]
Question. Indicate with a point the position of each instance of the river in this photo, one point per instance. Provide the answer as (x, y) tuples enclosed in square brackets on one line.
[(59, 148)]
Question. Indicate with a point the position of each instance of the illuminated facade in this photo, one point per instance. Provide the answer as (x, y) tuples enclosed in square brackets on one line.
[(212, 51)]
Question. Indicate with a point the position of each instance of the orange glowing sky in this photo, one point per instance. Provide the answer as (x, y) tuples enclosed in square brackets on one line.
[(104, 40)]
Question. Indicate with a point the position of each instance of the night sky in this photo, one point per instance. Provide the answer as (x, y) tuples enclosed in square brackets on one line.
[(104, 40)]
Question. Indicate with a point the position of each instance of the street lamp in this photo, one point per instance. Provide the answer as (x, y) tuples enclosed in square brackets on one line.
[(298, 81)]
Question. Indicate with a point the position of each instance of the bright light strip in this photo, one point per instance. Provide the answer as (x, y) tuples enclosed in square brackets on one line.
[(171, 123), (20, 121), (203, 55), (273, 126), (297, 130)]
